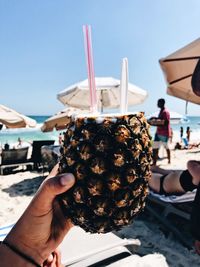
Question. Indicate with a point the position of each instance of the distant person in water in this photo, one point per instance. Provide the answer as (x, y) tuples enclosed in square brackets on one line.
[(21, 143), (188, 131), (181, 133), (6, 146)]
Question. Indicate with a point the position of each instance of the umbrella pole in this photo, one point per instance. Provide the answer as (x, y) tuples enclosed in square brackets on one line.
[(101, 101), (186, 107)]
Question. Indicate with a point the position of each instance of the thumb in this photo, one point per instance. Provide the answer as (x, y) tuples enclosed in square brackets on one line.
[(51, 188), (58, 183)]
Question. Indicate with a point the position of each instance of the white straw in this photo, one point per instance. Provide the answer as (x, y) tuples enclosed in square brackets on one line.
[(124, 86)]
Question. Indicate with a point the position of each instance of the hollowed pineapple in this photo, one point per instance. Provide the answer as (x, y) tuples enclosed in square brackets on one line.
[(110, 158)]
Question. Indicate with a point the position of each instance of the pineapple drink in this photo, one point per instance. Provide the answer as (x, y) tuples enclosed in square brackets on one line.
[(110, 157)]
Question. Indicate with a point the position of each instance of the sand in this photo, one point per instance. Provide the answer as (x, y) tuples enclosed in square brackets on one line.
[(17, 190)]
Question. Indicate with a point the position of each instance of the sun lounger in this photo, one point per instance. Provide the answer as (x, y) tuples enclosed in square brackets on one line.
[(4, 230), (81, 249), (161, 207), (150, 260), (36, 156), (13, 158)]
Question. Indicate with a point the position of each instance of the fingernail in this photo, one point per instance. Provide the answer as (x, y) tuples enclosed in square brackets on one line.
[(66, 179)]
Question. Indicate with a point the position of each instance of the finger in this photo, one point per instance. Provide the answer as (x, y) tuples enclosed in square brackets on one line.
[(57, 185), (50, 258), (192, 163), (58, 257), (50, 189), (197, 246), (53, 263), (197, 250)]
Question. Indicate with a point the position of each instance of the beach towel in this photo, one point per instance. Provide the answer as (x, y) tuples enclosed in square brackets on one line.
[(187, 197)]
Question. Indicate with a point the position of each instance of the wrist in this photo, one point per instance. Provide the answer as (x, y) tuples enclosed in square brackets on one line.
[(30, 252), (9, 258)]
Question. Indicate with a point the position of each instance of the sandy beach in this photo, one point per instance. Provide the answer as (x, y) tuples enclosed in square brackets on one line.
[(17, 190), (60, 59)]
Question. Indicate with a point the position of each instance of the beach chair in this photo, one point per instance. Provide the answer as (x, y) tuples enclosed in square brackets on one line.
[(36, 156), (81, 249), (161, 207), (4, 230), (13, 158)]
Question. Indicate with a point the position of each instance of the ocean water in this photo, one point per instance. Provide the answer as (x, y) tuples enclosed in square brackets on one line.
[(10, 136), (193, 122)]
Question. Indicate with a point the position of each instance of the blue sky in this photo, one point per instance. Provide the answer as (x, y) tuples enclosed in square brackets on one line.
[(42, 47)]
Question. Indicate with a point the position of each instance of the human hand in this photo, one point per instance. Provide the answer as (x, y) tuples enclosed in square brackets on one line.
[(197, 246), (54, 260), (153, 121), (42, 227), (193, 167)]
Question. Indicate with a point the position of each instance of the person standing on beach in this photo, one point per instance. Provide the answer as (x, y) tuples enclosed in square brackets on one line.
[(181, 133), (188, 131), (162, 132)]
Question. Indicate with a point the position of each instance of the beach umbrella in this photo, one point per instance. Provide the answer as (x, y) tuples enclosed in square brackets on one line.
[(181, 70), (12, 119), (108, 94), (60, 120)]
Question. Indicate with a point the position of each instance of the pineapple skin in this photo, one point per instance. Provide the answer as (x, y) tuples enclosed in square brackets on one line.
[(110, 159)]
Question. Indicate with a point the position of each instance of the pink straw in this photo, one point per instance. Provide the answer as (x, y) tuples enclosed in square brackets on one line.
[(90, 67)]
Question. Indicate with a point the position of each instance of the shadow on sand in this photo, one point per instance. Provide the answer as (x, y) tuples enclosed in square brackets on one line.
[(194, 151), (27, 187)]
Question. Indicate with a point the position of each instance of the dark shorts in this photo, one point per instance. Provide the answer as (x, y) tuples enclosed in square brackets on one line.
[(160, 140)]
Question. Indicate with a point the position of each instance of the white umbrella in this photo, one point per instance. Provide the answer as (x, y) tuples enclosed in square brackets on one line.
[(12, 119), (108, 94), (60, 120)]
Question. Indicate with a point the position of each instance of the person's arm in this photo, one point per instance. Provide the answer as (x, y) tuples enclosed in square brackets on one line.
[(162, 120), (8, 258), (156, 121), (42, 227)]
